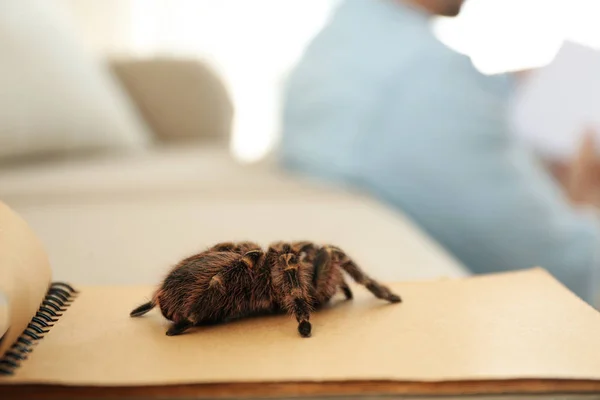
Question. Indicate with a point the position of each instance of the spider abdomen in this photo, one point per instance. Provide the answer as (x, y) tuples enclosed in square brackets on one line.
[(213, 287)]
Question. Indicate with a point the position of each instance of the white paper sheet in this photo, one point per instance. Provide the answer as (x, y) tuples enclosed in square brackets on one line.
[(557, 103)]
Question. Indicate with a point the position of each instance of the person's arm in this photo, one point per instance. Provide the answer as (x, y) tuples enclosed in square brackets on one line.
[(444, 156)]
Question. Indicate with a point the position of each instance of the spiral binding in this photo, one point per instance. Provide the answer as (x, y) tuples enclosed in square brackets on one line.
[(59, 296)]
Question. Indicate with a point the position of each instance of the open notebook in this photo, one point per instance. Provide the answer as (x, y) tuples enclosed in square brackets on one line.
[(517, 333)]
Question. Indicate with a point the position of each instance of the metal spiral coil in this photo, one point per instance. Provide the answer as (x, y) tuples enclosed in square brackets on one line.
[(58, 298)]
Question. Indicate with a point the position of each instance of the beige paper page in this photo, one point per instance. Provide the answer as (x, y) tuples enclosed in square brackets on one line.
[(514, 325), (24, 275)]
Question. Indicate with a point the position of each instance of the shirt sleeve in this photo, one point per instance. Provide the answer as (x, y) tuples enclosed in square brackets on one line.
[(442, 152)]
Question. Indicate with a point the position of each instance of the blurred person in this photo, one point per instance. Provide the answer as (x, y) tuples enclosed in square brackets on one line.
[(376, 102)]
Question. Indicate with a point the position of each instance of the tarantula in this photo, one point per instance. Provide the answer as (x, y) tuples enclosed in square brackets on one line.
[(234, 280)]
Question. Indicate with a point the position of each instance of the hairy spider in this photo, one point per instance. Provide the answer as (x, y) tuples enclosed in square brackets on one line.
[(235, 280)]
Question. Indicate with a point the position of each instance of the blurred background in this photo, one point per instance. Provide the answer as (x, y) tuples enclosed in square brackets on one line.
[(134, 132), (252, 45)]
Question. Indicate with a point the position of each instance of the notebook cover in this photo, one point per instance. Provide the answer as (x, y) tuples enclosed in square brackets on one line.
[(511, 326)]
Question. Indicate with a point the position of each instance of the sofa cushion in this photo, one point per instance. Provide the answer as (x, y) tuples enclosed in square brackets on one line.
[(55, 97), (181, 99), (203, 168)]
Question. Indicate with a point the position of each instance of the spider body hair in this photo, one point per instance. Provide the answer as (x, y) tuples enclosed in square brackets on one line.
[(230, 280)]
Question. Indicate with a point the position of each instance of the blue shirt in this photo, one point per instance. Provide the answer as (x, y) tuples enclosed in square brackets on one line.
[(378, 103)]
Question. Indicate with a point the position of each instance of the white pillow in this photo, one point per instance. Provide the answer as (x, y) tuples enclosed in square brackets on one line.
[(55, 97)]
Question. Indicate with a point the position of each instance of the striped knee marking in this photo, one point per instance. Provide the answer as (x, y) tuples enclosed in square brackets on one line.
[(216, 280)]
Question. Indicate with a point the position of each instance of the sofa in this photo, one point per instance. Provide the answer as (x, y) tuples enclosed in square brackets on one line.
[(120, 220)]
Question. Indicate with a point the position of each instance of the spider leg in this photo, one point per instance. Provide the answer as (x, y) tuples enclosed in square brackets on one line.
[(249, 260), (244, 247), (302, 245), (142, 309), (224, 246), (322, 267), (292, 278), (252, 258), (380, 291), (224, 289), (179, 327), (346, 289)]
